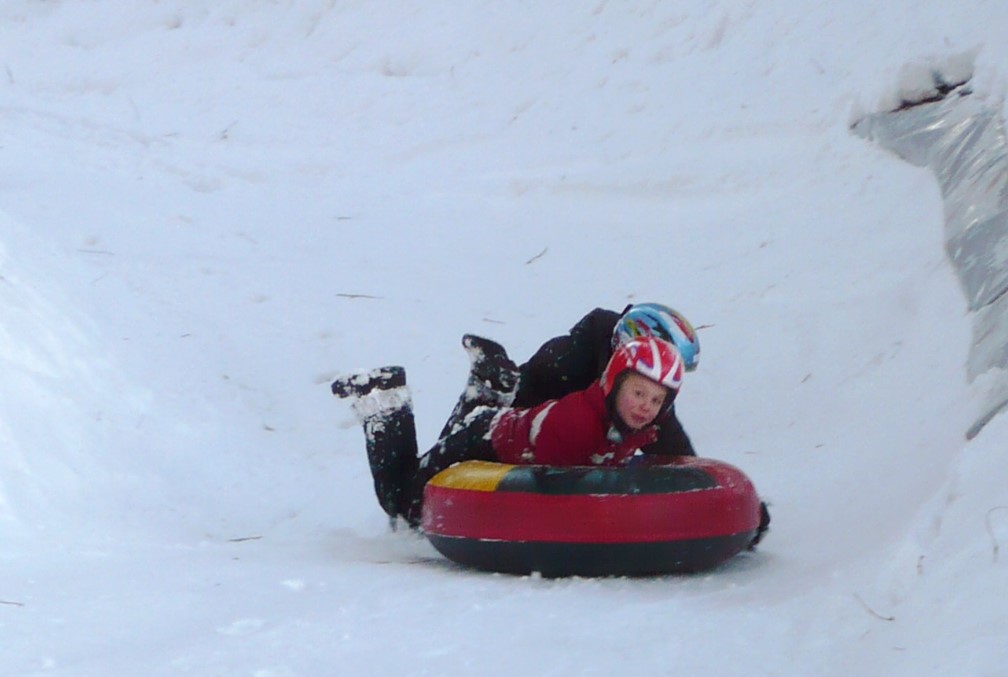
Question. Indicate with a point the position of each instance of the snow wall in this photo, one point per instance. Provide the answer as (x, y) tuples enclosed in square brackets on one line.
[(941, 123)]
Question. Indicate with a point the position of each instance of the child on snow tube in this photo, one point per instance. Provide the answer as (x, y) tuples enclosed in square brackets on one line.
[(604, 424), (571, 361)]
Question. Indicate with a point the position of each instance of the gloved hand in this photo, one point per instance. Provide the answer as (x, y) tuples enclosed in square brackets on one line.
[(625, 445), (764, 525)]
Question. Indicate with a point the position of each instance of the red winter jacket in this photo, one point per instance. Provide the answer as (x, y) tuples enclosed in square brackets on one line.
[(573, 430)]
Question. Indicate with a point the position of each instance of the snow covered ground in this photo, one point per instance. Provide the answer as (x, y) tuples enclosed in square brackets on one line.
[(209, 209)]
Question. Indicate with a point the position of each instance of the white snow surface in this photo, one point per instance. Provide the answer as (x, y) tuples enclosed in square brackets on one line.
[(210, 209)]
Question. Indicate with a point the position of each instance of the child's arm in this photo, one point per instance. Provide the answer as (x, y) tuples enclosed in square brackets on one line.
[(570, 431)]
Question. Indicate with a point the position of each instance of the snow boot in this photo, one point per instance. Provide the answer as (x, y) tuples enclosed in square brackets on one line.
[(382, 404), (491, 367), (493, 378), (361, 383)]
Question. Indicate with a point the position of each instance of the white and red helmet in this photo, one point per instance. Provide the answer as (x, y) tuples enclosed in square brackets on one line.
[(654, 358)]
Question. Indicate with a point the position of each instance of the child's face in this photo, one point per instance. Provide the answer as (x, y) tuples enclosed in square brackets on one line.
[(638, 400)]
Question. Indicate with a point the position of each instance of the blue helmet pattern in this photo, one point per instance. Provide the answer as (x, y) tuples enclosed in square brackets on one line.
[(654, 319)]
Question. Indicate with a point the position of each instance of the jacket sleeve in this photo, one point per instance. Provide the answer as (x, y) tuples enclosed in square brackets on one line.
[(573, 430), (510, 435), (672, 438), (565, 364), (567, 433), (561, 432)]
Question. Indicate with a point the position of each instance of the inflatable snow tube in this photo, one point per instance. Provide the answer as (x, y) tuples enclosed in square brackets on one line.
[(656, 515)]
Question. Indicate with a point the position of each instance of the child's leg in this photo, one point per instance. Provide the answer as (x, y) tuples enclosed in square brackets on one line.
[(466, 434), (391, 443), (468, 441), (382, 404)]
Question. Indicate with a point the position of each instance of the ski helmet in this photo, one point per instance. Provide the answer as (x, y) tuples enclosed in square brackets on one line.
[(652, 357), (654, 319)]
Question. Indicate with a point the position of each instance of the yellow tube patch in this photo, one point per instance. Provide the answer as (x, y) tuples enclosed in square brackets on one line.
[(472, 475)]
